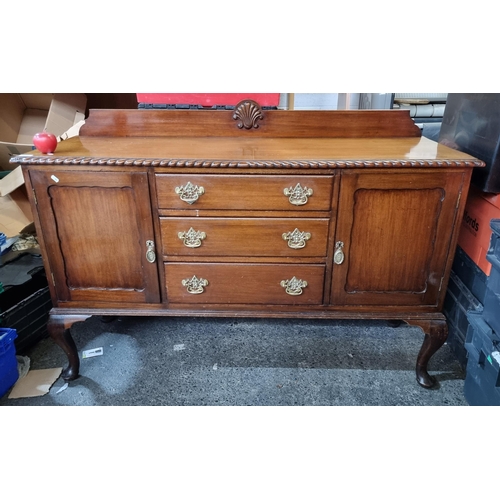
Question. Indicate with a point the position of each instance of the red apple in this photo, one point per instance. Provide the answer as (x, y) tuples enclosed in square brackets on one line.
[(45, 142)]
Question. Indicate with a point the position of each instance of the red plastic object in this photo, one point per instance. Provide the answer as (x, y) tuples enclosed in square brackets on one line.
[(208, 100)]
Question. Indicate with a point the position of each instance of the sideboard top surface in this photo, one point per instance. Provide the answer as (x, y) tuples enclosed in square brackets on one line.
[(324, 140)]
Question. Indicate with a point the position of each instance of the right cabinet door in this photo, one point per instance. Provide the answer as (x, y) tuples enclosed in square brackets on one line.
[(395, 230)]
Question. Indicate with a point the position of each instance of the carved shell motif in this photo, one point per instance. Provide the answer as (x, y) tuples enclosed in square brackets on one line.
[(249, 112)]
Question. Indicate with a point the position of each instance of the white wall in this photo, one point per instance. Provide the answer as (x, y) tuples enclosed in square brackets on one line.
[(317, 101), (308, 101)]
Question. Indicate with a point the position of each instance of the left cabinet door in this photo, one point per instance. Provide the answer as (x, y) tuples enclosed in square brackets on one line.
[(96, 228)]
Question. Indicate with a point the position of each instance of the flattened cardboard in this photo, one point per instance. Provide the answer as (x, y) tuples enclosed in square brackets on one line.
[(12, 219), (11, 181), (35, 383)]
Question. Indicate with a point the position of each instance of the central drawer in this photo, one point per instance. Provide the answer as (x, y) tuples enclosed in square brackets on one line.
[(244, 237), (244, 192), (277, 284)]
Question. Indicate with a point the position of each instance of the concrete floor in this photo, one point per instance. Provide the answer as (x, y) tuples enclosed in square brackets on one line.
[(247, 362)]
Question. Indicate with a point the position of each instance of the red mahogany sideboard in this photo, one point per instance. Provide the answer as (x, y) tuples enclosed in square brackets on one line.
[(249, 212)]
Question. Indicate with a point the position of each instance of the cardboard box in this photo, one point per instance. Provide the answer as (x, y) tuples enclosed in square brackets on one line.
[(23, 115), (15, 210), (475, 232)]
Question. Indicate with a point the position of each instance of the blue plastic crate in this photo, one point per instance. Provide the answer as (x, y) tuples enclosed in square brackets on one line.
[(8, 362)]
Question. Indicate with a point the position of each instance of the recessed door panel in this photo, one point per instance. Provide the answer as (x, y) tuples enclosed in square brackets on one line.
[(387, 225), (98, 228), (396, 232)]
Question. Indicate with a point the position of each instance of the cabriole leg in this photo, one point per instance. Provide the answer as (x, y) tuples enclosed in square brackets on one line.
[(58, 327), (436, 333)]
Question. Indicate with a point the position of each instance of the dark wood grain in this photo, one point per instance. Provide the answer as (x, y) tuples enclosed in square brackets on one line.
[(275, 123)]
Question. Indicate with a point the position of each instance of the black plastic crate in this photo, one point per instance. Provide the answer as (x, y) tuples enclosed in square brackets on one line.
[(12, 295), (471, 275), (29, 318), (458, 302), (25, 305), (482, 380)]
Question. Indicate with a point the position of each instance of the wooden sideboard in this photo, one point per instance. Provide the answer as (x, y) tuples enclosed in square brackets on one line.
[(249, 212)]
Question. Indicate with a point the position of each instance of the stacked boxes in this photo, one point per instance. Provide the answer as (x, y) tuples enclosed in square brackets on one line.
[(8, 362), (471, 124), (482, 382)]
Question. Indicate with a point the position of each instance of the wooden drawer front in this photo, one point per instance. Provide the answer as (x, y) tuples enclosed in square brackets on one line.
[(243, 192), (243, 283), (200, 236)]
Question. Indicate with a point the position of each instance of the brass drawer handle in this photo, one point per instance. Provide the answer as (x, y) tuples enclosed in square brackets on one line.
[(195, 285), (150, 252), (298, 195), (189, 193), (296, 239), (338, 256), (192, 238), (293, 286)]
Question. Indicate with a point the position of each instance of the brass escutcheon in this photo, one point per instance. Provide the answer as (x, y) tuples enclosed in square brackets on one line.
[(195, 285), (192, 238), (338, 256), (296, 239), (298, 195), (150, 252), (293, 286), (189, 193)]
